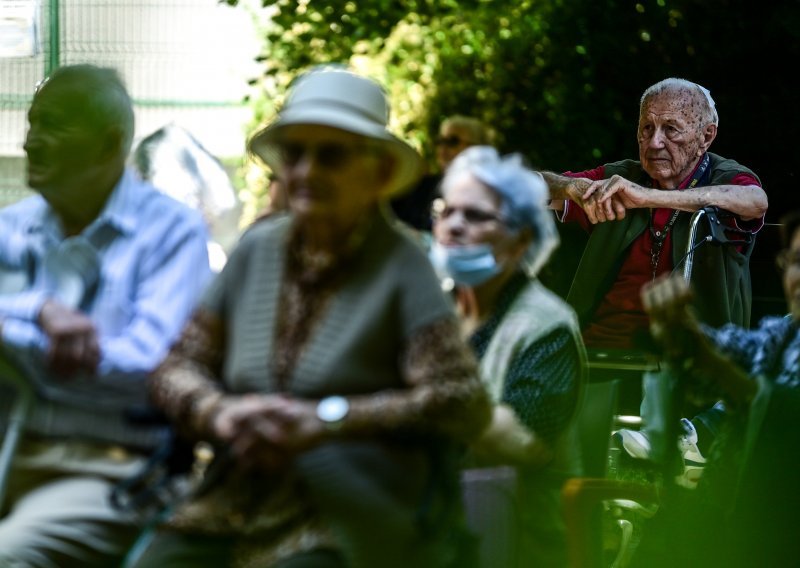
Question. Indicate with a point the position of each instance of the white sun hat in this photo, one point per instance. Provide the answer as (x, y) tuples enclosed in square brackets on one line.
[(336, 97)]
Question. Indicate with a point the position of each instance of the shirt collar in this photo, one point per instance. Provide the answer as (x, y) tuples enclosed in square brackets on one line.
[(120, 210), (122, 207)]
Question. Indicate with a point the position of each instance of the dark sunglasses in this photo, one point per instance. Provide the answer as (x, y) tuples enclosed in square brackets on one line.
[(329, 155), (449, 141)]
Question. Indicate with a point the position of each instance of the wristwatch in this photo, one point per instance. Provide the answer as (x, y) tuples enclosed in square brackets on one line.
[(332, 411)]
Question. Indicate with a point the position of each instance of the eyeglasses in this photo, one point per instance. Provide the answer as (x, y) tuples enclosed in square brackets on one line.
[(450, 141), (787, 259), (329, 155), (472, 215)]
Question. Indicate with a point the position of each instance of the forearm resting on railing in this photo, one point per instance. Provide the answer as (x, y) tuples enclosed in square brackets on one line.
[(746, 201)]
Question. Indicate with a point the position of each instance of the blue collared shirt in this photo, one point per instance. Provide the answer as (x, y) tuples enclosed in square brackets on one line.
[(153, 265)]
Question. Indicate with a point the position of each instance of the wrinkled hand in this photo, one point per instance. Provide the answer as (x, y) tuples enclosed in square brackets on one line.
[(73, 339), (609, 199), (265, 431), (576, 188)]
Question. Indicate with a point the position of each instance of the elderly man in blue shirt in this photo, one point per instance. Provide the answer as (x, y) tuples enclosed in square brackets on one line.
[(98, 273)]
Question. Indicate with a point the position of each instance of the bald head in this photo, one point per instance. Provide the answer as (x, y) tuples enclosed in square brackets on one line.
[(691, 96), (79, 135), (94, 94)]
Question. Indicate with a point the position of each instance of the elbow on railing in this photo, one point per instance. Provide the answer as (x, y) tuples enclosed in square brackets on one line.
[(760, 205), (755, 207)]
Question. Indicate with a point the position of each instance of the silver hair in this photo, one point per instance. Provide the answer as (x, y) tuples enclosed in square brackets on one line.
[(523, 194), (675, 84)]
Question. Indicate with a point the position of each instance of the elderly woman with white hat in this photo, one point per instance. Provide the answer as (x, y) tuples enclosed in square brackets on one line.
[(326, 361), (492, 235)]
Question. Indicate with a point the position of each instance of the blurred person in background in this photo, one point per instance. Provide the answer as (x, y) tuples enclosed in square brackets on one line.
[(456, 133), (176, 163)]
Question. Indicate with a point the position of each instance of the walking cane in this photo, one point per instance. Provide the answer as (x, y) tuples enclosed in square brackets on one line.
[(11, 375)]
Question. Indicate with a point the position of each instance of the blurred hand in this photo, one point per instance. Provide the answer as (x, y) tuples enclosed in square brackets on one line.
[(674, 326), (266, 431), (73, 339), (666, 300)]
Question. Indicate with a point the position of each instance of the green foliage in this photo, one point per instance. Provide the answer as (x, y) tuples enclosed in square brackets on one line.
[(559, 79)]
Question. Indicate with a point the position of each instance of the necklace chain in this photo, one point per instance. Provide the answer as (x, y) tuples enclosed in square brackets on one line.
[(658, 237)]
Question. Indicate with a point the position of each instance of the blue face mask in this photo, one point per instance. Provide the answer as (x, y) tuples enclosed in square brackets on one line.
[(467, 265)]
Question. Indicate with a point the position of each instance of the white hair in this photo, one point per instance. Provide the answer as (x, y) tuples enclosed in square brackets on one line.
[(523, 194), (675, 84)]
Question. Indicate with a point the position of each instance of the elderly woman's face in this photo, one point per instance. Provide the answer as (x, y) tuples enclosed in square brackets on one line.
[(470, 213), (672, 136), (330, 175)]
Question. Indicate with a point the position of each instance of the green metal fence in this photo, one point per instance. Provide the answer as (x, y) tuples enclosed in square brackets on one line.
[(184, 61)]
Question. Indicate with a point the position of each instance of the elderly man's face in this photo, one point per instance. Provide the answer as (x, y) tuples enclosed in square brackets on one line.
[(329, 175), (791, 277), (62, 150), (672, 136)]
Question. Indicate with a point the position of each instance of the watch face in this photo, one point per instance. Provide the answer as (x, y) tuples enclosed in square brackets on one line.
[(332, 408)]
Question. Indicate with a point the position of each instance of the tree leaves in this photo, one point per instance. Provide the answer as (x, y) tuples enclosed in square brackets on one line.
[(560, 80)]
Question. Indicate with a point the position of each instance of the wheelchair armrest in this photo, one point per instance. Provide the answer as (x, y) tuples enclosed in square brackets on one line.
[(581, 499)]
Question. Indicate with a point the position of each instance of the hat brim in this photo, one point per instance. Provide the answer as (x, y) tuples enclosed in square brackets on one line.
[(409, 164)]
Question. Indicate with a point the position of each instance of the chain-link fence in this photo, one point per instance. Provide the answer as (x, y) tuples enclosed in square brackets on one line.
[(184, 61)]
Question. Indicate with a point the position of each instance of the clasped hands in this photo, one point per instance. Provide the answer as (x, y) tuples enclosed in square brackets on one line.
[(608, 199), (265, 431)]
